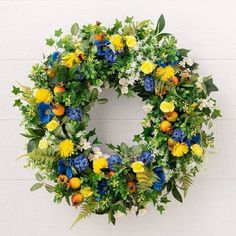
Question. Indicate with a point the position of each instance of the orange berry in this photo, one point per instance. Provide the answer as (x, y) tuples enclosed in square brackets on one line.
[(174, 80), (77, 199), (62, 179), (165, 126), (58, 110), (99, 37), (111, 173), (171, 116), (132, 187), (59, 89)]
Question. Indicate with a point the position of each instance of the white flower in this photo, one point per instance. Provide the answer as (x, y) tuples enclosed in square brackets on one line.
[(97, 153), (124, 90), (124, 82), (132, 80), (206, 104), (139, 58), (199, 83), (148, 108), (84, 144), (146, 123), (187, 61)]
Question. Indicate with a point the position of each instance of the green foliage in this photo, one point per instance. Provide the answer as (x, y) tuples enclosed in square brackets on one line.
[(186, 181)]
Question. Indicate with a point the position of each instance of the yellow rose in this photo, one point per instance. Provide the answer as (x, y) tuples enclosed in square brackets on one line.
[(43, 95), (86, 192), (52, 125), (138, 167), (179, 149), (131, 41), (197, 150), (66, 148), (167, 106), (147, 67), (43, 143), (116, 40), (165, 73), (98, 164)]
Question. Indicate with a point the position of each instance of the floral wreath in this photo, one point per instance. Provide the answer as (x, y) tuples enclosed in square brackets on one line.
[(131, 58)]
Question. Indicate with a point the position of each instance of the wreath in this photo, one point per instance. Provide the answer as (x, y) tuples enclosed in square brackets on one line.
[(133, 58)]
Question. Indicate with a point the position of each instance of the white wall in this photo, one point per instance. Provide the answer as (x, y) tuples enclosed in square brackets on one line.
[(208, 27)]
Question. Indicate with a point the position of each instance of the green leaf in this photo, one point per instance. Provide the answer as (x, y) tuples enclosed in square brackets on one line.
[(216, 113), (129, 19), (36, 186), (124, 148), (32, 144), (15, 90), (93, 95), (111, 146), (58, 32), (74, 29), (137, 138), (102, 101), (50, 41), (70, 128), (176, 194), (160, 24), (136, 150), (210, 86), (160, 208), (49, 188), (183, 52), (39, 177), (17, 103)]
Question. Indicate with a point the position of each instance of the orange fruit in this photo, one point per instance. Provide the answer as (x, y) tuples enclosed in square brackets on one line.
[(171, 142), (131, 186), (62, 179), (165, 126), (58, 89), (58, 110), (99, 37), (111, 173), (171, 116), (174, 80), (77, 199), (74, 183)]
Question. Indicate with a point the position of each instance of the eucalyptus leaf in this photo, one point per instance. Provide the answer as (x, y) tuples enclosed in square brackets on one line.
[(39, 177), (74, 29), (36, 186), (160, 24)]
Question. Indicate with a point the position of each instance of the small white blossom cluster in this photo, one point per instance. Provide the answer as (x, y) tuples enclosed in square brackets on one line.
[(206, 103)]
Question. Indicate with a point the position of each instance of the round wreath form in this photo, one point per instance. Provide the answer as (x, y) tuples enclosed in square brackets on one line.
[(131, 58)]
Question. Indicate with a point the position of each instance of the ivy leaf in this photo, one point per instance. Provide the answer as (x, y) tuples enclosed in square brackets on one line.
[(58, 32), (160, 24), (137, 138), (160, 208), (183, 52), (17, 103), (176, 194), (74, 29), (15, 90), (216, 113), (129, 19), (36, 186), (39, 177), (32, 144), (50, 41), (210, 86)]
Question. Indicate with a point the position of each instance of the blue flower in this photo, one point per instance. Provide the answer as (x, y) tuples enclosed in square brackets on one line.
[(110, 56), (157, 185), (146, 157), (195, 139), (55, 55), (81, 163), (45, 112), (74, 113), (178, 135), (149, 83), (114, 160), (65, 167), (101, 46), (102, 187)]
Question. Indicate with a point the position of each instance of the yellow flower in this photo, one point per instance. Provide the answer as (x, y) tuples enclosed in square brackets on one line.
[(138, 167), (165, 72), (66, 148), (197, 150), (86, 192), (98, 164), (116, 40), (52, 125), (72, 58), (179, 149), (167, 106), (43, 143), (43, 95), (147, 67), (131, 41)]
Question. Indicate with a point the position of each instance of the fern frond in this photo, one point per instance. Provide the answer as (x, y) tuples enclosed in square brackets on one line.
[(186, 181)]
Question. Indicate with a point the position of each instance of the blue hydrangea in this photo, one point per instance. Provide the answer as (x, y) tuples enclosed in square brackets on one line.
[(178, 135), (81, 163), (65, 167), (113, 160), (101, 46), (45, 112), (195, 139), (149, 83), (74, 113), (102, 187), (157, 185), (146, 157), (55, 55), (110, 56)]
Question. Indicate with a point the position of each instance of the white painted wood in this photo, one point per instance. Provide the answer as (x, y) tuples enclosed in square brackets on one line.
[(206, 26)]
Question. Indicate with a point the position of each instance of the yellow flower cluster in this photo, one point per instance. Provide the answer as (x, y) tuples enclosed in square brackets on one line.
[(72, 58), (165, 73), (197, 150), (52, 125), (98, 164), (43, 95), (179, 149), (86, 192), (167, 106), (131, 41), (66, 148), (147, 67), (116, 40), (138, 167)]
